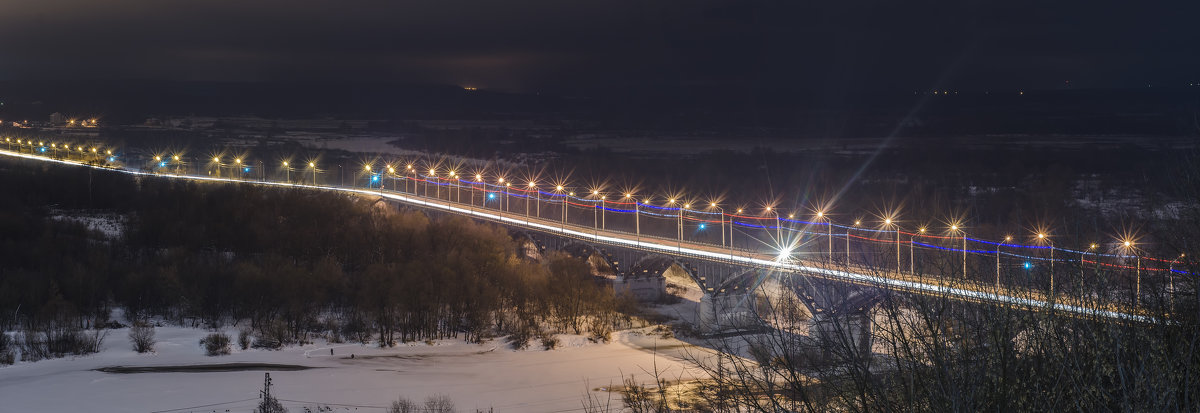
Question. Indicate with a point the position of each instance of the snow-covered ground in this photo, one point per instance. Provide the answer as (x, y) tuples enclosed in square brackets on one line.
[(111, 225), (490, 375)]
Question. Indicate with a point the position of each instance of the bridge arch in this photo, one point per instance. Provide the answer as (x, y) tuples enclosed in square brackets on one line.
[(656, 265), (528, 246), (589, 253)]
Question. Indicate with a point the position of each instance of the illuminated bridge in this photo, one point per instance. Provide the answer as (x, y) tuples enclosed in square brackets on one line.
[(838, 271)]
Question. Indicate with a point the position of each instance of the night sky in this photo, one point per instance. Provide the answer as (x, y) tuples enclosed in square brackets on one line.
[(580, 45)]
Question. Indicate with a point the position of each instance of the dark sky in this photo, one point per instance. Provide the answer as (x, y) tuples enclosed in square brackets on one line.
[(568, 45)]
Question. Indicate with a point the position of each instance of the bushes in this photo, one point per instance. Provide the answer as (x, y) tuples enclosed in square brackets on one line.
[(549, 342), (215, 344), (58, 341), (141, 335), (244, 339), (438, 403), (7, 347)]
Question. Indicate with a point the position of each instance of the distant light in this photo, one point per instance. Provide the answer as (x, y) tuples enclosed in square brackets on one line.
[(1028, 265), (491, 195), (246, 170), (702, 226), (162, 164)]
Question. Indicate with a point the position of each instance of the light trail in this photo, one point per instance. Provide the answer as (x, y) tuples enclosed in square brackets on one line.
[(556, 227)]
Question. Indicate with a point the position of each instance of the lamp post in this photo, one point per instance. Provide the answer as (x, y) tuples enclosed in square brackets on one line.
[(912, 262), (778, 230), (559, 190), (437, 190), (1043, 237), (1137, 294), (679, 242), (532, 186), (828, 234), (1171, 279), (1006, 239), (856, 224), (507, 185), (888, 223), (407, 171), (238, 162), (955, 229), (637, 222), (313, 165), (595, 219), (722, 212), (288, 172)]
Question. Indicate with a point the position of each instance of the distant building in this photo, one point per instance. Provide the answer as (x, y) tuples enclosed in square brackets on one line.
[(58, 118)]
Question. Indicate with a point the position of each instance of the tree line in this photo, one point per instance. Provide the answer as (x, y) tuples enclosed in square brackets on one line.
[(287, 264)]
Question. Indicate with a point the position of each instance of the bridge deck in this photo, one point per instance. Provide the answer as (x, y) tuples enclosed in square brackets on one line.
[(957, 288)]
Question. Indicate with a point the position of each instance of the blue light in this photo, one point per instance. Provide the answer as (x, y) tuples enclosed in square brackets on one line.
[(246, 170), (491, 195), (160, 164), (374, 177), (43, 149), (1028, 265), (702, 226)]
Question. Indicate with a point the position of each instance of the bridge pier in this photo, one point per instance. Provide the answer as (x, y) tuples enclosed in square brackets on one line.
[(847, 334), (723, 312)]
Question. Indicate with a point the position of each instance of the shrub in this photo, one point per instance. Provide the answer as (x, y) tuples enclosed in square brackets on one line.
[(600, 330), (404, 405), (244, 339), (549, 342), (439, 403), (58, 340), (7, 355), (215, 344), (520, 336), (142, 337)]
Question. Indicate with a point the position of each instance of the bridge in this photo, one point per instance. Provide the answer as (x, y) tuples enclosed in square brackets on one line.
[(837, 275)]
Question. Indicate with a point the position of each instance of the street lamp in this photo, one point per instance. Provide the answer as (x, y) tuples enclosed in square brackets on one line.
[(887, 222), (829, 232), (558, 189), (778, 230), (479, 180), (1042, 237), (537, 193), (1007, 238), (598, 205), (912, 262), (438, 190), (679, 243), (313, 165), (504, 207), (856, 224), (722, 212), (289, 171), (1129, 246), (954, 228), (637, 222), (409, 170)]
